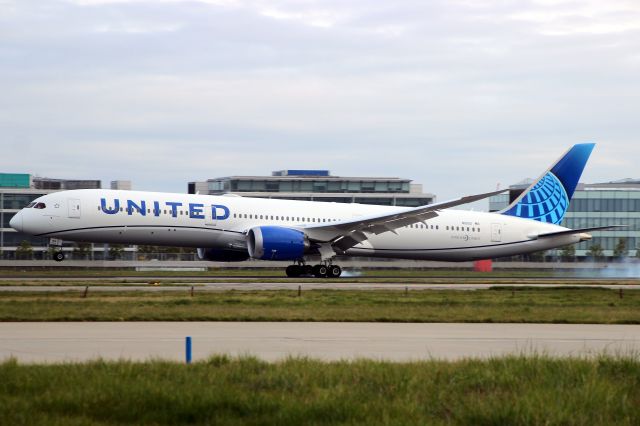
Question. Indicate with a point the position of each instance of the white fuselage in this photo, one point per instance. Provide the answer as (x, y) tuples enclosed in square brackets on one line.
[(205, 221)]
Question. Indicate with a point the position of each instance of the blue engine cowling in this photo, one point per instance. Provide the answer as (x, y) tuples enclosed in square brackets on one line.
[(221, 255), (276, 243)]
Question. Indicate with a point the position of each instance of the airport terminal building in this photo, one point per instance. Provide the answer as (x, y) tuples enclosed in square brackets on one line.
[(596, 204), (319, 185), (19, 189)]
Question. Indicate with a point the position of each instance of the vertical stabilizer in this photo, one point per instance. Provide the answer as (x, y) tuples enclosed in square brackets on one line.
[(547, 199)]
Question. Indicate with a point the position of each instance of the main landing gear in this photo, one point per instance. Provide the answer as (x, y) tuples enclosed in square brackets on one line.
[(318, 271)]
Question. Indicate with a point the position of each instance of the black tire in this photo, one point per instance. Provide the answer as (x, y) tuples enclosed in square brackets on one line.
[(293, 271), (58, 256), (320, 271), (334, 271), (307, 270)]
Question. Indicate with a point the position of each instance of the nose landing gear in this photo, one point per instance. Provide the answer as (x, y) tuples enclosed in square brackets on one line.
[(58, 256)]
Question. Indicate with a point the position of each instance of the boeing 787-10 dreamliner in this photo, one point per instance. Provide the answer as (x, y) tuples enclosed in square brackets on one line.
[(233, 228)]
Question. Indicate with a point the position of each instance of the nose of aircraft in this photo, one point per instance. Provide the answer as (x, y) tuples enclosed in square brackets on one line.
[(16, 222)]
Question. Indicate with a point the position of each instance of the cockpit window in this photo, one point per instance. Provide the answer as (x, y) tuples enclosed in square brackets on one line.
[(40, 206), (30, 205)]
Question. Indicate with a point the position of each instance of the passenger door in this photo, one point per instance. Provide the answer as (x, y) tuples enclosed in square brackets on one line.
[(496, 232), (74, 208)]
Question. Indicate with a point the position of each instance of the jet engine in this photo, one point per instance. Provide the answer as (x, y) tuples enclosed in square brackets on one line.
[(277, 243)]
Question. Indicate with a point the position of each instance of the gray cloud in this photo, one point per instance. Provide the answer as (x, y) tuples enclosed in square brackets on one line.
[(456, 95)]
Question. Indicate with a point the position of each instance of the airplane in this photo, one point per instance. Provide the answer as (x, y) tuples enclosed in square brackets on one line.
[(231, 228)]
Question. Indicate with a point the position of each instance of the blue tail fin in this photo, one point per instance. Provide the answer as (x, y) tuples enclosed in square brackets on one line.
[(547, 199)]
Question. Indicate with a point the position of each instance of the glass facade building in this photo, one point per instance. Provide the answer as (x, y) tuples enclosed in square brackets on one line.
[(319, 185), (18, 190), (599, 204), (11, 201)]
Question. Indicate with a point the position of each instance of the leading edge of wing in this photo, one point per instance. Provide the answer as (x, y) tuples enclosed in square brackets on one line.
[(387, 222)]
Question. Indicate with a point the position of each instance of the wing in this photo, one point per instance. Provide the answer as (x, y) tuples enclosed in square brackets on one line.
[(347, 233)]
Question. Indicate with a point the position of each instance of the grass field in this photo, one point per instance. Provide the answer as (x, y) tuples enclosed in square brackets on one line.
[(512, 390), (540, 305)]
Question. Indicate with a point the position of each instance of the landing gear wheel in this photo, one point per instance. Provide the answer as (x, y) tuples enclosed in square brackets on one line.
[(58, 256), (293, 271), (320, 271), (307, 270), (334, 271)]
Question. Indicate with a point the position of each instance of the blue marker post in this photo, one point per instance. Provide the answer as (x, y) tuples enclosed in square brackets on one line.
[(188, 349)]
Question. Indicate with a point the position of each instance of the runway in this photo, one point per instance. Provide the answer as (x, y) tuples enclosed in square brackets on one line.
[(80, 341), (294, 285), (346, 277)]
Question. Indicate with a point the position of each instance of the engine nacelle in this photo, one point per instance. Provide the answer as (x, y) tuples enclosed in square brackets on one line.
[(221, 255), (276, 243)]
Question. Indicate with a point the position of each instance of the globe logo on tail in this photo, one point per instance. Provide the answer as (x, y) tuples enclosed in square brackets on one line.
[(547, 201)]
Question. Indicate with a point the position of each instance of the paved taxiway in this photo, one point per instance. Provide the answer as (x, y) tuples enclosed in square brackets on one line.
[(78, 341), (293, 286)]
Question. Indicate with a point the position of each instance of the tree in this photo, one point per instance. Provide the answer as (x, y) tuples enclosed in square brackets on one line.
[(24, 250), (596, 252), (145, 252), (620, 250), (568, 253), (537, 256), (82, 250), (51, 251), (171, 253), (116, 251)]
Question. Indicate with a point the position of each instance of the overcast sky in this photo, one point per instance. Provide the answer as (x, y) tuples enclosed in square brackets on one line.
[(456, 95)]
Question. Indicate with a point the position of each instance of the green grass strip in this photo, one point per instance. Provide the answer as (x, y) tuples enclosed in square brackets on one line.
[(514, 305), (501, 391)]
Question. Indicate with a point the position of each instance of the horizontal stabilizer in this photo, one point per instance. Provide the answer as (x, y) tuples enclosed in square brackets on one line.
[(579, 231)]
